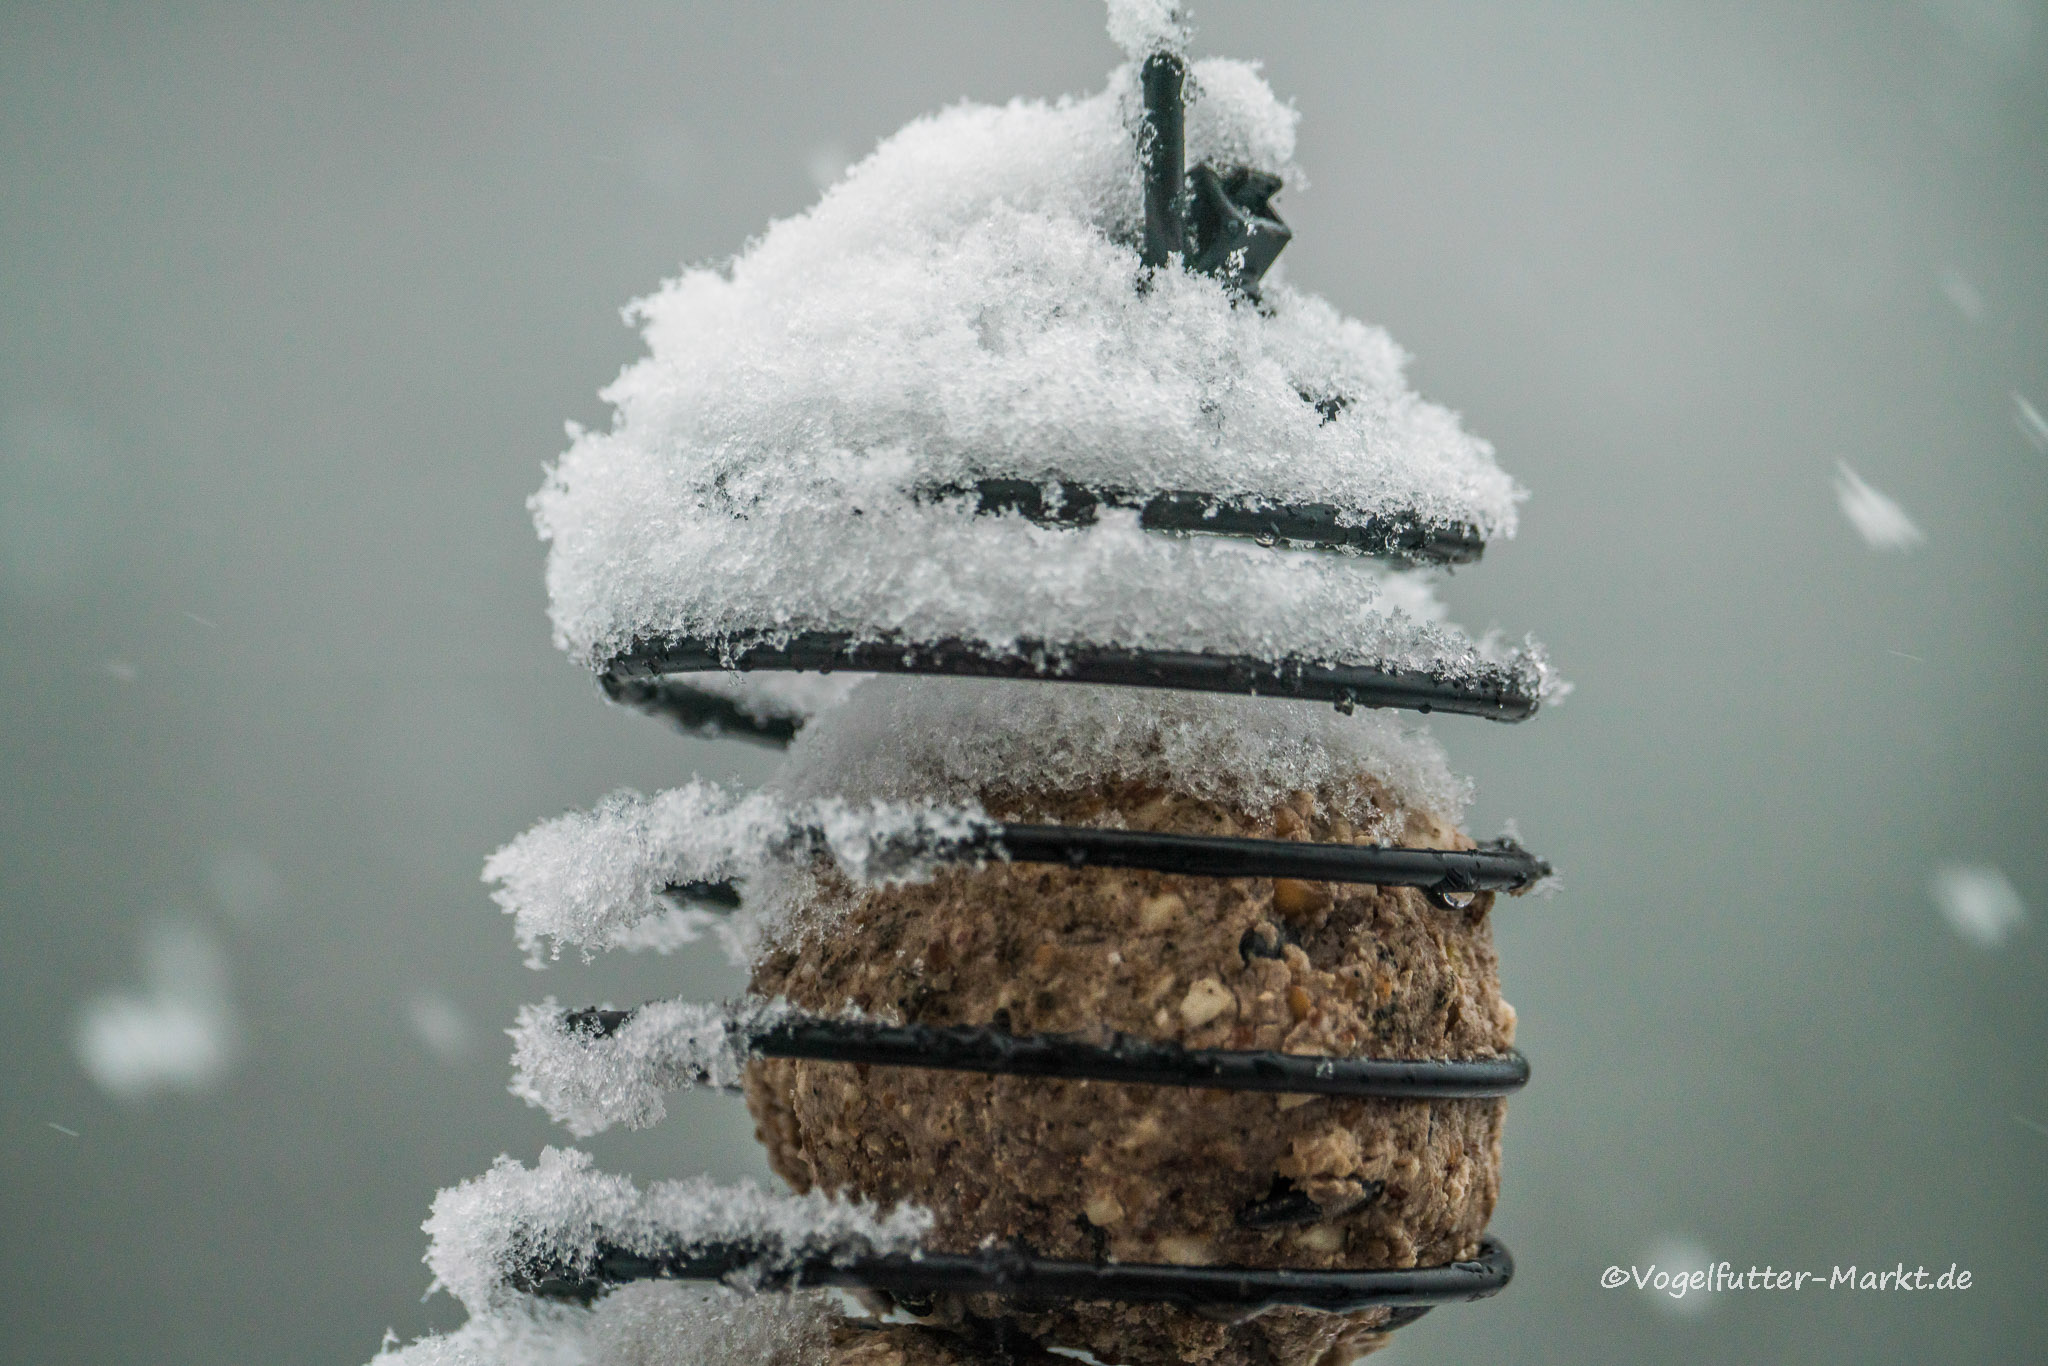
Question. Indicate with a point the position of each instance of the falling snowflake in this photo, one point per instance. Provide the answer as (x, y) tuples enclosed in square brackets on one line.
[(1882, 523), (177, 1034), (1979, 902), (440, 1026), (2028, 419)]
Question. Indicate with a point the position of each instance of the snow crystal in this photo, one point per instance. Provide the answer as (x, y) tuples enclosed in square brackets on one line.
[(890, 781), (647, 1324), (962, 305), (1979, 902), (963, 740), (590, 1083), (1143, 27), (488, 1230), (178, 1034), (2028, 419), (966, 741), (600, 879), (512, 1335), (926, 572), (1882, 523)]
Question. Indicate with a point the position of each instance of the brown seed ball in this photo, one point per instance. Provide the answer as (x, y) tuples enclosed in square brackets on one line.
[(866, 1343), (1157, 1174)]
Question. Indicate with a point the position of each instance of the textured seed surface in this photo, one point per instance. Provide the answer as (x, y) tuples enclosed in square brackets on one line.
[(1371, 971), (1157, 913), (858, 1343), (1205, 1000), (1296, 899), (1103, 1210)]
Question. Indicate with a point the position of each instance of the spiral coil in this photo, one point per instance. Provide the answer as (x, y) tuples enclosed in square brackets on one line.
[(1216, 220)]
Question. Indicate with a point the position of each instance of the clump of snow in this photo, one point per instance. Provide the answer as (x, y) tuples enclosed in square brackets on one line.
[(651, 1323), (1979, 903), (590, 1083), (1143, 27), (890, 784), (179, 1033), (591, 878), (963, 305), (924, 571), (1882, 523), (961, 741), (966, 740), (490, 1230), (600, 879)]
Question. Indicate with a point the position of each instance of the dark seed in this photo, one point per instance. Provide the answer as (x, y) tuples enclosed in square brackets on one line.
[(1264, 940), (1098, 1237), (1285, 1206), (1363, 1193)]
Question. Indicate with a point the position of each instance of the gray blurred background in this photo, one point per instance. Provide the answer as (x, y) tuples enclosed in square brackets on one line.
[(295, 301)]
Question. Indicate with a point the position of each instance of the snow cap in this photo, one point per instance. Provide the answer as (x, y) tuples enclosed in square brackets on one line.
[(1143, 27), (965, 305)]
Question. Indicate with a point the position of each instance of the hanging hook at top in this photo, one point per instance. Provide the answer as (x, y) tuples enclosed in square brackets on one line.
[(1226, 227), (1162, 152)]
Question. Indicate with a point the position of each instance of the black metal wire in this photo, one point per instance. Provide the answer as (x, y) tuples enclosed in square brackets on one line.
[(1500, 866), (1441, 874), (1495, 691), (1022, 1277), (1233, 234), (1162, 152), (1227, 219), (1137, 1062), (1403, 536), (724, 895), (697, 710), (1122, 1059)]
